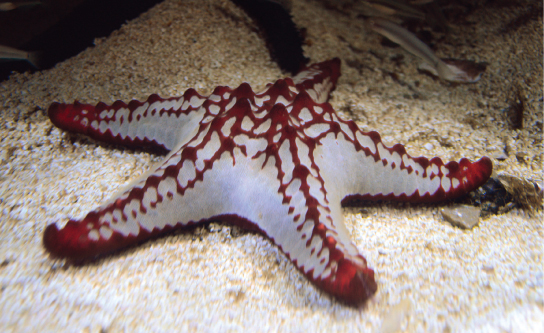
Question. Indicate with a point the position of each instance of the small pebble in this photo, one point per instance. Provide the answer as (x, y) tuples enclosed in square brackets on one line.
[(463, 216)]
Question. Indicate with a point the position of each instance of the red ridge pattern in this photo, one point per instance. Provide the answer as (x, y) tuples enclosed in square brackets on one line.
[(279, 162)]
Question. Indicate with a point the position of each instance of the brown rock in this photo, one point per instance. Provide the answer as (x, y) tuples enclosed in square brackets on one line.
[(463, 216)]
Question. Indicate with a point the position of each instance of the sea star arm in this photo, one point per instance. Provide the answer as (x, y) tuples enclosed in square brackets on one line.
[(372, 171), (157, 124), (319, 80)]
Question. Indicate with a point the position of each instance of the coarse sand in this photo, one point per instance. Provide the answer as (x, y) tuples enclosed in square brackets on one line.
[(432, 277)]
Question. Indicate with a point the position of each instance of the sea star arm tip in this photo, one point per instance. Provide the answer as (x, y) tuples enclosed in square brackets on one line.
[(69, 242), (352, 284)]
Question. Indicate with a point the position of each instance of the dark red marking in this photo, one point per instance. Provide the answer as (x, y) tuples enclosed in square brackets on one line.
[(350, 282)]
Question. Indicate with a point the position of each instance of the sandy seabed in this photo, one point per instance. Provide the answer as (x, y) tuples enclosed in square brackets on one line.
[(431, 277)]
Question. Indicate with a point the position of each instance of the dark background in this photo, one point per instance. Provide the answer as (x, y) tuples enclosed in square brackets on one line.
[(60, 29)]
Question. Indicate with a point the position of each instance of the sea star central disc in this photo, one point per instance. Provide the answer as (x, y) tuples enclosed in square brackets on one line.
[(280, 162)]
